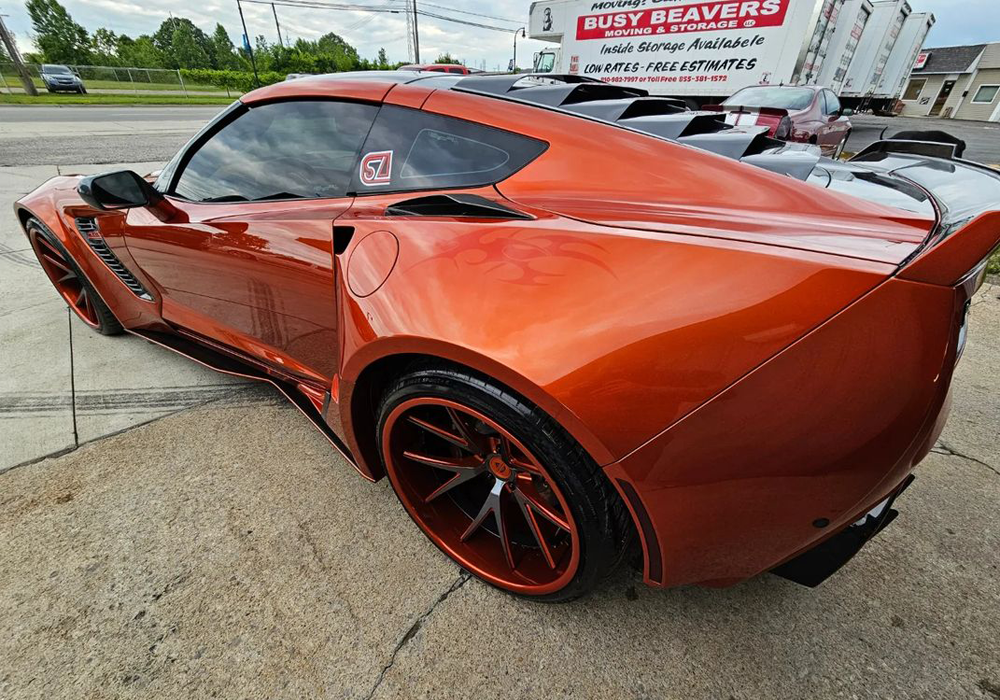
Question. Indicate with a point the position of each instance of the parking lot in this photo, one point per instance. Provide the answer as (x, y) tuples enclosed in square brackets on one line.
[(169, 532)]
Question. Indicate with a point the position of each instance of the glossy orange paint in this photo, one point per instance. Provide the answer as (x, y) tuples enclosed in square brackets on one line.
[(733, 346)]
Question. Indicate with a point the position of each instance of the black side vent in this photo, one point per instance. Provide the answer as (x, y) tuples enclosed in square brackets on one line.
[(86, 226), (88, 229), (454, 205)]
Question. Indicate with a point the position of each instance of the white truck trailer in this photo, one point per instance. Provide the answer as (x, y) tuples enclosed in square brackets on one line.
[(875, 48), (699, 50), (901, 60)]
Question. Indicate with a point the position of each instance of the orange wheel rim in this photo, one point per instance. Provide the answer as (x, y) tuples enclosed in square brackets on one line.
[(65, 279), (480, 495)]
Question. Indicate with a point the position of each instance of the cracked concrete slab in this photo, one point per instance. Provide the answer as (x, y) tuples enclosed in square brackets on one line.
[(163, 562)]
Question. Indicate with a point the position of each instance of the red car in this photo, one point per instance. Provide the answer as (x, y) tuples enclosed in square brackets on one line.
[(800, 114), (561, 316)]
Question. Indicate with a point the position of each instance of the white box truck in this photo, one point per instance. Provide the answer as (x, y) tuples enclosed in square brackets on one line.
[(901, 60), (874, 49), (699, 50)]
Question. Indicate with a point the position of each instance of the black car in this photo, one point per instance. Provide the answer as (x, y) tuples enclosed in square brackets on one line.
[(61, 79)]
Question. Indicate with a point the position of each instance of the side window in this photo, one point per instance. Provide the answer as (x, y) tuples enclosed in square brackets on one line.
[(282, 150), (408, 149), (832, 103)]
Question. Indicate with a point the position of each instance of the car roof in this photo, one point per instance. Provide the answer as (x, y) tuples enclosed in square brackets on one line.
[(632, 109)]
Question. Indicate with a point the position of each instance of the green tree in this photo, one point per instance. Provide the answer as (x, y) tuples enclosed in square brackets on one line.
[(382, 60), (140, 52), (164, 37), (104, 47), (447, 58), (223, 52), (187, 52), (58, 37)]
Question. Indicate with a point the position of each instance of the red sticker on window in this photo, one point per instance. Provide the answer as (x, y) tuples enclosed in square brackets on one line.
[(376, 168)]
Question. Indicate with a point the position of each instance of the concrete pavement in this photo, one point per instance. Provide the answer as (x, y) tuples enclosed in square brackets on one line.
[(61, 386)]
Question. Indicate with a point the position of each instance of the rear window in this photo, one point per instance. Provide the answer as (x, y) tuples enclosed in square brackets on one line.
[(775, 97), (408, 149)]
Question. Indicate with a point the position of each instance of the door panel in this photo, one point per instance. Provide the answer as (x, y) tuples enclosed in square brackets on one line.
[(258, 277)]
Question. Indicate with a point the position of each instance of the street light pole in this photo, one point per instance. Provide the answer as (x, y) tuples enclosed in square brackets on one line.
[(513, 63), (249, 48)]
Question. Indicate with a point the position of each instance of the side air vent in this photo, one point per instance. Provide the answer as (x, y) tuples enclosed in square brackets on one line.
[(454, 205), (90, 232), (86, 226)]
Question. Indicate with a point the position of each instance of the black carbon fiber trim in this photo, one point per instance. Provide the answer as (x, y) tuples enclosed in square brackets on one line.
[(89, 230)]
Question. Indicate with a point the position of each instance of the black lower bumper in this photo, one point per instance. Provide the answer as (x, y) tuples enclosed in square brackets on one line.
[(814, 566)]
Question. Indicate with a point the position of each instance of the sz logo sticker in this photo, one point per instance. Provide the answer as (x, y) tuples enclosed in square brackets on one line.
[(376, 168)]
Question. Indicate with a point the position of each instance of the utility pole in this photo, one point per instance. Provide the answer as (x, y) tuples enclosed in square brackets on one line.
[(416, 35), (247, 46), (15, 56), (276, 25)]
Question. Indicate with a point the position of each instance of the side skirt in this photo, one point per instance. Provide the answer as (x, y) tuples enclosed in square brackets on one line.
[(221, 362)]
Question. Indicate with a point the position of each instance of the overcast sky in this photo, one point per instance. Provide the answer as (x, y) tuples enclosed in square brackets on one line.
[(958, 22)]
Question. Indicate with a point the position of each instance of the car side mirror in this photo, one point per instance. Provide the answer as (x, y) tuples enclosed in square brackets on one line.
[(122, 189)]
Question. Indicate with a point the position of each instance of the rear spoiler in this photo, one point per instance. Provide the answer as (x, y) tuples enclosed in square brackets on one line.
[(739, 109), (956, 256)]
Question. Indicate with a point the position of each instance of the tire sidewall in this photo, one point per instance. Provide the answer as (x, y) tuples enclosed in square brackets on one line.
[(562, 458)]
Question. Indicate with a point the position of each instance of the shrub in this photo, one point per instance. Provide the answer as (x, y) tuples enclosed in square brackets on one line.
[(236, 80)]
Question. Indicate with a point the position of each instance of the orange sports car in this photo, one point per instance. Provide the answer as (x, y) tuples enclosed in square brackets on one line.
[(569, 321)]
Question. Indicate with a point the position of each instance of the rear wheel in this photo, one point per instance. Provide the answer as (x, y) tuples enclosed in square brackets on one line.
[(498, 486), (69, 281)]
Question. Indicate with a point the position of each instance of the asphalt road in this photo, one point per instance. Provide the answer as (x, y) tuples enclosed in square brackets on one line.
[(70, 135), (168, 532), (982, 138)]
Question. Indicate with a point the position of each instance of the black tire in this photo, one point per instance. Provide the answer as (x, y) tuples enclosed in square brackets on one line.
[(604, 525), (107, 323), (83, 90)]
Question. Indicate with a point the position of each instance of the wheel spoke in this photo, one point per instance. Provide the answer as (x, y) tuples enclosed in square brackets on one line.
[(81, 297), (460, 478), (68, 276), (58, 263), (452, 465), (441, 433), (492, 506), (538, 504), (535, 527), (461, 427)]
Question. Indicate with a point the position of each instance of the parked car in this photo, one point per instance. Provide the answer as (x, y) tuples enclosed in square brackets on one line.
[(809, 114), (58, 78), (553, 315), (441, 68)]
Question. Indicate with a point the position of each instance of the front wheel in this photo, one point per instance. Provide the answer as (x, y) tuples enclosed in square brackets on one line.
[(70, 282), (498, 486)]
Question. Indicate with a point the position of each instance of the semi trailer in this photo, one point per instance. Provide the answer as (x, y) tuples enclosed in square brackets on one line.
[(703, 51)]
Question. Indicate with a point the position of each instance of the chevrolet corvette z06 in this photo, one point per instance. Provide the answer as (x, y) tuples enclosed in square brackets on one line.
[(570, 322)]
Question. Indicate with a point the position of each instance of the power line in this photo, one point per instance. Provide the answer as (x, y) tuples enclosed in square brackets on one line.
[(467, 12)]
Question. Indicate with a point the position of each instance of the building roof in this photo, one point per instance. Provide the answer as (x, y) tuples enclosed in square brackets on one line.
[(950, 59)]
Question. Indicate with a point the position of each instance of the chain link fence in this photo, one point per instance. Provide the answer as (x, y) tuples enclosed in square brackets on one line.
[(115, 80)]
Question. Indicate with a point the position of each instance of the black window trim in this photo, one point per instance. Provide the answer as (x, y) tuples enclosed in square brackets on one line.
[(234, 112)]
